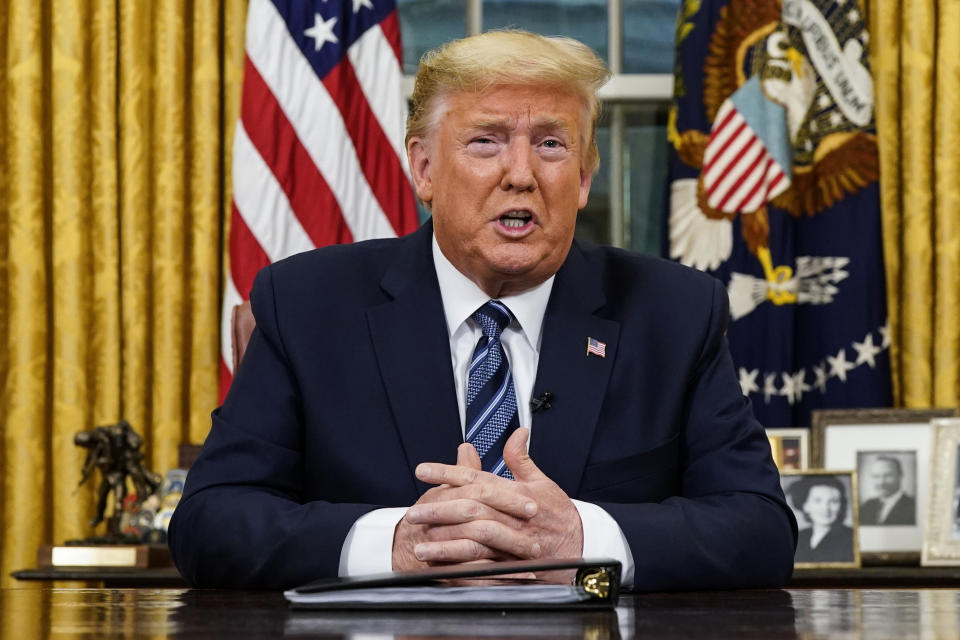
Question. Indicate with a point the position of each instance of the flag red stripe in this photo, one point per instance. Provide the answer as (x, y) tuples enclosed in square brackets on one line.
[(274, 137), (246, 255), (765, 185), (755, 183), (391, 31), (719, 127), (775, 182), (371, 191), (731, 166), (737, 171), (744, 176), (379, 161), (726, 145)]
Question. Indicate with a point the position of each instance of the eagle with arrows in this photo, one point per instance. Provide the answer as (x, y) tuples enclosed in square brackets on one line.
[(784, 135)]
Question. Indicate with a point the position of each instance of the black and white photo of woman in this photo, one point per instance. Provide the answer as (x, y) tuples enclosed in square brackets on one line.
[(821, 503)]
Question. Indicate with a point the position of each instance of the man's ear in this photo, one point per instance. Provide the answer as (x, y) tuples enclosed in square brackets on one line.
[(419, 158), (586, 179)]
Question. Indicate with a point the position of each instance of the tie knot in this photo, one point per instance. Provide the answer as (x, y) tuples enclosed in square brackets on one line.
[(493, 317)]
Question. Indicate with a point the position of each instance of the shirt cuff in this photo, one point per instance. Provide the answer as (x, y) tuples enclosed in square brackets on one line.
[(603, 538), (368, 547)]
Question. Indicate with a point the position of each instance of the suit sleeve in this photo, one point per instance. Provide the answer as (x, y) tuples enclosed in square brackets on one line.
[(730, 526), (243, 521)]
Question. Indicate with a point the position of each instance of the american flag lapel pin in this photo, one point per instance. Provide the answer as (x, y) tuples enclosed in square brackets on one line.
[(596, 347)]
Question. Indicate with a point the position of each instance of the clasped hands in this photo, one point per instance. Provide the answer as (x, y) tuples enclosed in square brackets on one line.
[(473, 515)]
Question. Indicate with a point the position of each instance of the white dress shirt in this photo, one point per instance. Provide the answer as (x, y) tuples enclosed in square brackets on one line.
[(368, 547)]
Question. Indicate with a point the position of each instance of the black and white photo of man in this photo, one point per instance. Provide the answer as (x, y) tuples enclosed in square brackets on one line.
[(888, 480)]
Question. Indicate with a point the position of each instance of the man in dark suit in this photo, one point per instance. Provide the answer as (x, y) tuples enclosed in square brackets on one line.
[(529, 395), (891, 505)]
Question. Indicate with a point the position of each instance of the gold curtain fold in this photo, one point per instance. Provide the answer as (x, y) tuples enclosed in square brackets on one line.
[(116, 120), (26, 392), (946, 154), (916, 64), (82, 247)]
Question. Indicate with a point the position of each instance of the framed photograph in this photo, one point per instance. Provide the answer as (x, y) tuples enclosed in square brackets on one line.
[(941, 544), (826, 506), (891, 450), (790, 448)]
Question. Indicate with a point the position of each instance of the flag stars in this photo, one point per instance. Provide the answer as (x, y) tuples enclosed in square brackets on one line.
[(839, 365), (824, 101), (788, 390), (800, 385), (885, 335), (748, 381), (795, 384), (322, 31), (867, 351), (770, 387), (836, 119), (854, 16), (820, 377), (360, 4)]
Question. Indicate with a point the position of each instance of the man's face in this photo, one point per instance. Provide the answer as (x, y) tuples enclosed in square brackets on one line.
[(503, 171), (885, 477)]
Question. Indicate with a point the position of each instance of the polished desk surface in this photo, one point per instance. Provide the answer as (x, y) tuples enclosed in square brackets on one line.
[(877, 577), (46, 612)]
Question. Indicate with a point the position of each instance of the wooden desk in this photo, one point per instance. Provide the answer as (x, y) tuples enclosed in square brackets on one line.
[(110, 578), (866, 577), (179, 613)]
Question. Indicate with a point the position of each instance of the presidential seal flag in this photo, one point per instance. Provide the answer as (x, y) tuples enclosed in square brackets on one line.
[(318, 153), (773, 189)]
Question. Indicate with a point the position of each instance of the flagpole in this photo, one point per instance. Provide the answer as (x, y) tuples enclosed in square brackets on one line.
[(474, 17), (617, 125)]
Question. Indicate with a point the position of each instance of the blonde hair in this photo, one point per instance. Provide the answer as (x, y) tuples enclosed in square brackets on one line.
[(512, 56)]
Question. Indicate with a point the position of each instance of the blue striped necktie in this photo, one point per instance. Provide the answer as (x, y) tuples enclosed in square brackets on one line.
[(491, 401)]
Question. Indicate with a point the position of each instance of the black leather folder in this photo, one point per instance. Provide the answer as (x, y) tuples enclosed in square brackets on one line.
[(495, 585)]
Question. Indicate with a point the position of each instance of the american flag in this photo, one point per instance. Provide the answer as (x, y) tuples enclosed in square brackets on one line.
[(596, 347), (318, 154), (744, 162)]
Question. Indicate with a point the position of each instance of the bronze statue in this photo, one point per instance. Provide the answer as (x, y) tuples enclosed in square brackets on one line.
[(115, 450)]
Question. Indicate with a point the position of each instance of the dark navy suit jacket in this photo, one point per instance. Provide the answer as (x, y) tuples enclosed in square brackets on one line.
[(346, 386), (903, 512)]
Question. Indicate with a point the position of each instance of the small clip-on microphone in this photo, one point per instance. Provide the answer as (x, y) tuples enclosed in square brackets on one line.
[(541, 402)]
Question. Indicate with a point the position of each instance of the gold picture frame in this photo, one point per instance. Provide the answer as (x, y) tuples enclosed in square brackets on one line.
[(840, 547), (941, 541), (821, 419), (790, 448), (862, 439)]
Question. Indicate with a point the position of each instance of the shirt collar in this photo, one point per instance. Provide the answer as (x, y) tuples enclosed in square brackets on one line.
[(461, 297), (893, 497)]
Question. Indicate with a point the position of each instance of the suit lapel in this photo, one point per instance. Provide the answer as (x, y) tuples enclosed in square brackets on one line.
[(409, 336), (561, 436)]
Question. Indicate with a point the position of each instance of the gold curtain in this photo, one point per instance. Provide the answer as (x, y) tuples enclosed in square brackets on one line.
[(916, 65), (116, 121)]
